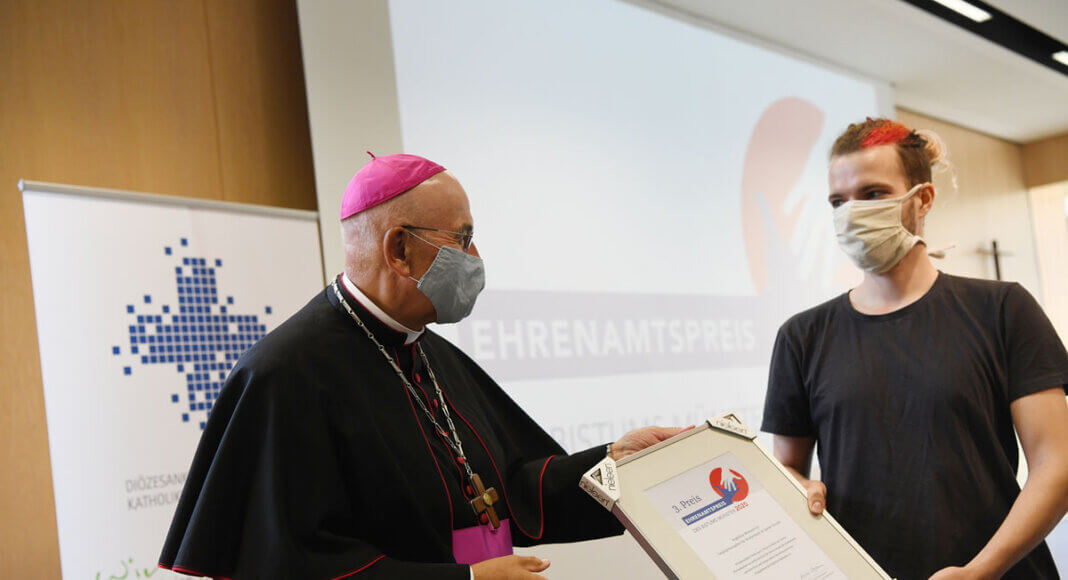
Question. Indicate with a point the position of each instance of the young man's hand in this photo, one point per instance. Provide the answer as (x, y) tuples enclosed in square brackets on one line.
[(795, 454), (817, 495)]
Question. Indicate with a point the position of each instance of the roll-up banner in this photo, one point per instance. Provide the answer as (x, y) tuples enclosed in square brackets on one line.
[(143, 304)]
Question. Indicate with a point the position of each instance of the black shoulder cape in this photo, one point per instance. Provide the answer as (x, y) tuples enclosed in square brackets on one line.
[(318, 463)]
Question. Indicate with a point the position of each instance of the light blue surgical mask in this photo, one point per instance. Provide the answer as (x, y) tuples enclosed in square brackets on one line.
[(452, 282)]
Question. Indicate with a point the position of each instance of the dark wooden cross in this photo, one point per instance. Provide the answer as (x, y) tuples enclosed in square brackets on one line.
[(484, 501), (997, 254)]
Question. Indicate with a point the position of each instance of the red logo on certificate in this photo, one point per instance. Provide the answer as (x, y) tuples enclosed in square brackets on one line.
[(733, 489)]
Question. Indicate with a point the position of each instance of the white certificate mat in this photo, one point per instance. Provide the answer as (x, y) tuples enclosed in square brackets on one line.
[(712, 503)]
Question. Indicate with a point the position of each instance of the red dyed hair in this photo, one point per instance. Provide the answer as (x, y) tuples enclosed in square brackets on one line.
[(917, 152), (889, 133)]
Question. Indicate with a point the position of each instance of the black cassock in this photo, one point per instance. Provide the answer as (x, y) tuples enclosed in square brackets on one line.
[(317, 463)]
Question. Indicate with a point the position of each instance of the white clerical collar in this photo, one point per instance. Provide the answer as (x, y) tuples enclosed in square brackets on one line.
[(410, 335)]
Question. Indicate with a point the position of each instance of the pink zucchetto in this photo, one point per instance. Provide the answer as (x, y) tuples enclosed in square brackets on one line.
[(384, 178)]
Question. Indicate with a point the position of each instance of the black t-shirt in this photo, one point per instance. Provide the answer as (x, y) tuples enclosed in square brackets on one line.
[(910, 411)]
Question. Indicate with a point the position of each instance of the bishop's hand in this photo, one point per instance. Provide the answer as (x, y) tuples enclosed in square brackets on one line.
[(509, 568), (639, 439)]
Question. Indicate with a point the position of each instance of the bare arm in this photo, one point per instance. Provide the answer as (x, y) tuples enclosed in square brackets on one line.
[(795, 453), (1041, 420)]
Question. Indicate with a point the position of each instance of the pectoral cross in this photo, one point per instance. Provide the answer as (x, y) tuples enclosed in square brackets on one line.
[(484, 501)]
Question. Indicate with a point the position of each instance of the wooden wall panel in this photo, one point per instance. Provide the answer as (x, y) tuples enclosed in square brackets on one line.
[(1046, 161), (163, 96), (111, 94), (991, 202), (259, 85)]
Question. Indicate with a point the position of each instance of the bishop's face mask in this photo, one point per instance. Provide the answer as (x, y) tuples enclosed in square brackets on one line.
[(452, 282), (872, 234)]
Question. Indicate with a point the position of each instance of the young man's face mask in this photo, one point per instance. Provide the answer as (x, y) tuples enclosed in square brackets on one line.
[(872, 234)]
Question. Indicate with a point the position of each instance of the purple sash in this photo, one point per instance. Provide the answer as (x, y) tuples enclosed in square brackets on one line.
[(478, 543)]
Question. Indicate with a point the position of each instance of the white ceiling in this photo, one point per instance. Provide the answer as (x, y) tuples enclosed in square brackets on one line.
[(935, 67)]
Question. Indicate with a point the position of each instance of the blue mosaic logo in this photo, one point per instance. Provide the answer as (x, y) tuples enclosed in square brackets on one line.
[(202, 340)]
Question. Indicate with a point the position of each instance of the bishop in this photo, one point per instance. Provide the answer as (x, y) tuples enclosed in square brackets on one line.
[(353, 441)]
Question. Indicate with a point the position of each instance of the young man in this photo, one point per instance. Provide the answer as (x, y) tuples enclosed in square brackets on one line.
[(913, 383)]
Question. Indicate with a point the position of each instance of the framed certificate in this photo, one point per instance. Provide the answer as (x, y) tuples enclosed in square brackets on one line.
[(712, 503)]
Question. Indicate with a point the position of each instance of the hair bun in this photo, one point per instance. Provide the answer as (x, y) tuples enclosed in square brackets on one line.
[(934, 146)]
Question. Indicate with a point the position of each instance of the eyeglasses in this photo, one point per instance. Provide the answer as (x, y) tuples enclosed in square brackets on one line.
[(461, 238)]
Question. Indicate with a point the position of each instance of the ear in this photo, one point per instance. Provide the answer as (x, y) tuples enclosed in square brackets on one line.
[(926, 195), (395, 251)]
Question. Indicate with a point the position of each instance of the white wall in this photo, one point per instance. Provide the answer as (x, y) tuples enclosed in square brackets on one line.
[(352, 101)]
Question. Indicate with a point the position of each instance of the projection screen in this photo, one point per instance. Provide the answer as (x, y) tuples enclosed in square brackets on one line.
[(649, 195)]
